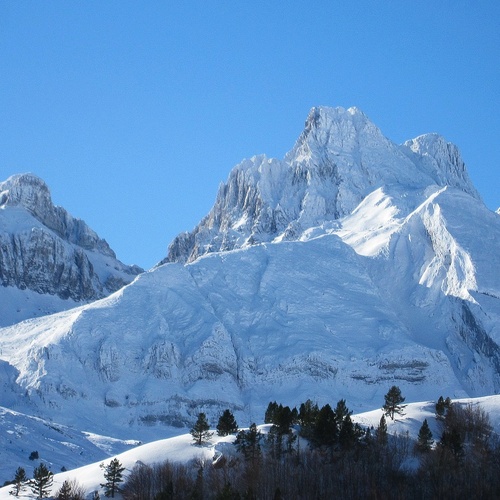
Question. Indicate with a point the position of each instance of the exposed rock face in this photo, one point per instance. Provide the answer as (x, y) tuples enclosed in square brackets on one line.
[(337, 161), (44, 249)]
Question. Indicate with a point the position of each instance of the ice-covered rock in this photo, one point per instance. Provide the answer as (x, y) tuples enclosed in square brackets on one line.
[(340, 158), (45, 250)]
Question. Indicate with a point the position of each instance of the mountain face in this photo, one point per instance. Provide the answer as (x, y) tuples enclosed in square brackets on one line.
[(43, 249), (352, 265), (337, 161)]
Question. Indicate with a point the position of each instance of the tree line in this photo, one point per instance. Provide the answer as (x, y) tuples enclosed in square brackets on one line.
[(316, 452), (319, 452)]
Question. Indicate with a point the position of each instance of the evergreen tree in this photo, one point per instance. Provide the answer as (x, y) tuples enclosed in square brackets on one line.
[(200, 430), (64, 492), (341, 412), (227, 424), (41, 482), (20, 479), (349, 433), (393, 400), (325, 429), (271, 411), (424, 440), (283, 419), (381, 431), (440, 407), (113, 474), (248, 443), (308, 412)]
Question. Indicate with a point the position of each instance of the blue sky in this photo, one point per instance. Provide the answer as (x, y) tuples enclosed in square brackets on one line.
[(134, 112)]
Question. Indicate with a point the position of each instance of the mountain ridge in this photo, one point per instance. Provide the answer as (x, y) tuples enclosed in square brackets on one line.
[(49, 260), (339, 158)]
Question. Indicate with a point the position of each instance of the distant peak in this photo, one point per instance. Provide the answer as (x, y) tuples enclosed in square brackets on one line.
[(26, 179), (338, 130), (323, 114), (27, 190), (444, 160)]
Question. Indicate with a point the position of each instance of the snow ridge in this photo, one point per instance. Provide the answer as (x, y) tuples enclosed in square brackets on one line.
[(339, 158)]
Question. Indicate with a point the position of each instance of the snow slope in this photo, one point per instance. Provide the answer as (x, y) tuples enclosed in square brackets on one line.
[(299, 318), (56, 444)]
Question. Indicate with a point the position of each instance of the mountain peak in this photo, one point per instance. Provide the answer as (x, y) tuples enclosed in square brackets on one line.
[(46, 250), (32, 193), (338, 129), (443, 161), (27, 190), (339, 159)]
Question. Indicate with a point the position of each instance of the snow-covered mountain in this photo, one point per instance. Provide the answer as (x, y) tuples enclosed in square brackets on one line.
[(49, 261), (352, 265), (338, 160)]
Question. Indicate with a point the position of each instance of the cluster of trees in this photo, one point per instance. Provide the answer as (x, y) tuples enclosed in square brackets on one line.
[(41, 484), (314, 453), (225, 426), (318, 452)]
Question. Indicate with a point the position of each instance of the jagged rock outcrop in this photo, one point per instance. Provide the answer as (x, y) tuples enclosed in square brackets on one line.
[(337, 161), (46, 250)]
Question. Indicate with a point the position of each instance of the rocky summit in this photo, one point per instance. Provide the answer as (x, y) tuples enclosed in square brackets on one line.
[(43, 249)]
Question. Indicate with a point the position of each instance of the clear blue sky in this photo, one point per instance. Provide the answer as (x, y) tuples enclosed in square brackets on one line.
[(133, 112)]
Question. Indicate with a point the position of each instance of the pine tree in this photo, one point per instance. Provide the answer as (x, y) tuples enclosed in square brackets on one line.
[(325, 429), (440, 406), (393, 400), (381, 431), (271, 411), (341, 412), (64, 492), (41, 482), (424, 440), (308, 412), (200, 430), (113, 474), (19, 479), (349, 433), (248, 443), (227, 424)]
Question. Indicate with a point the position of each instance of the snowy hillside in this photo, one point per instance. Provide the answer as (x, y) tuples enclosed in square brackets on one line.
[(352, 265), (61, 446), (181, 448), (49, 261)]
